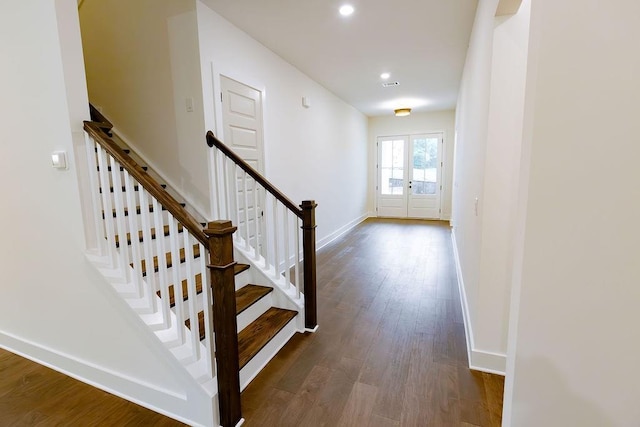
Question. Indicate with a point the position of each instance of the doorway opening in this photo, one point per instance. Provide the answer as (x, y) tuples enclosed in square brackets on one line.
[(409, 180)]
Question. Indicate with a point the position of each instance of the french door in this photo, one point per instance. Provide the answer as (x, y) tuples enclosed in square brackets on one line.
[(409, 176)]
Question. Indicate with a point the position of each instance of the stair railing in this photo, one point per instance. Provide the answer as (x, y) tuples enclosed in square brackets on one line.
[(165, 235), (271, 228)]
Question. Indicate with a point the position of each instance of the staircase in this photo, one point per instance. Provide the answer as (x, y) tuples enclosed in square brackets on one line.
[(178, 272)]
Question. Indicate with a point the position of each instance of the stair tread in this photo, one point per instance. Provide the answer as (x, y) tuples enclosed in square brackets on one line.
[(239, 268), (198, 277), (249, 295), (259, 332), (254, 337)]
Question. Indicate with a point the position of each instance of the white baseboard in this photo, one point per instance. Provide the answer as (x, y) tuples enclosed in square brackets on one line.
[(147, 395), (479, 360), (340, 231)]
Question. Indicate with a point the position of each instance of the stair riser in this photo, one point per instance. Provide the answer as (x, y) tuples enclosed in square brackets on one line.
[(244, 278), (267, 353), (255, 311)]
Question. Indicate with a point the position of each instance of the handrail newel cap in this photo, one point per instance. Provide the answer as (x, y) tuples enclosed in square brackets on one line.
[(219, 228)]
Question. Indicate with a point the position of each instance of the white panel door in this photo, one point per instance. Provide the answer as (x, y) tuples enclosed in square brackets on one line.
[(243, 133), (393, 181), (425, 161), (409, 171)]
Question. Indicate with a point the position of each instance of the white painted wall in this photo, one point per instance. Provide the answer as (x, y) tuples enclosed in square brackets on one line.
[(416, 123), (55, 307), (142, 64), (575, 318), (317, 153), (472, 115), (489, 139)]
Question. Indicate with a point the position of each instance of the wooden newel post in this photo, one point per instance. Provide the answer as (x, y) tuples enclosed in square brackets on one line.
[(221, 266), (309, 264)]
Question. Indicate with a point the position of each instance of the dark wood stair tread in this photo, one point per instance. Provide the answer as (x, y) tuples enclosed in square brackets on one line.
[(198, 277), (249, 295), (239, 268), (255, 336)]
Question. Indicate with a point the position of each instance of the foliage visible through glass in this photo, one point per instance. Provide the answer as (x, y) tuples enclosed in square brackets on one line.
[(392, 167), (425, 166)]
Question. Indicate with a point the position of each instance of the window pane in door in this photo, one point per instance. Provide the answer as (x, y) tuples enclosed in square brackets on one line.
[(392, 167), (425, 166)]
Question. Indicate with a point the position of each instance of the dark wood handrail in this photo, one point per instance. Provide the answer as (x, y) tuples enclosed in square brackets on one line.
[(213, 141), (148, 183)]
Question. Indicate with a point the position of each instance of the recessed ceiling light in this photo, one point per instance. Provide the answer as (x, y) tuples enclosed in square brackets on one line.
[(346, 10), (385, 76)]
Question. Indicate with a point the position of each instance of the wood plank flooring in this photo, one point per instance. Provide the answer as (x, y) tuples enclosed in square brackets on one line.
[(390, 351), (34, 395), (391, 348)]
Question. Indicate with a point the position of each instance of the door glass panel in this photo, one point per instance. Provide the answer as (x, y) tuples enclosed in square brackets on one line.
[(425, 166), (392, 167)]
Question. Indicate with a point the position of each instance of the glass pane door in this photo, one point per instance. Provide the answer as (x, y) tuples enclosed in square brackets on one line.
[(425, 165), (393, 183), (392, 166)]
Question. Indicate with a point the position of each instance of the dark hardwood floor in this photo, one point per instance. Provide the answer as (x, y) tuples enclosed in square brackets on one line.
[(390, 351), (34, 395), (391, 348)]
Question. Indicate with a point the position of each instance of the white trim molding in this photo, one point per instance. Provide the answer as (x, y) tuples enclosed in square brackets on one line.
[(176, 405), (341, 231), (479, 360)]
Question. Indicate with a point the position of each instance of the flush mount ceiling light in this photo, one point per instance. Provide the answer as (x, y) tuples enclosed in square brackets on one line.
[(346, 10), (401, 112), (385, 76)]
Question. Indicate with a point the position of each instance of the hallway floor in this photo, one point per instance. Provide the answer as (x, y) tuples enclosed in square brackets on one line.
[(391, 348), (390, 351)]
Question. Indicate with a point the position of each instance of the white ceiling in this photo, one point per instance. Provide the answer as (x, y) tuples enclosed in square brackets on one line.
[(422, 43)]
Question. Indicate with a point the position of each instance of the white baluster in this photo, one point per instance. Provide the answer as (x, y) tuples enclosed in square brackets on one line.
[(298, 225), (236, 205), (207, 299), (107, 207), (215, 176), (275, 236), (246, 211), (94, 176), (287, 252), (163, 275), (192, 292), (136, 255), (123, 252), (147, 244), (225, 173), (174, 242), (256, 220)]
